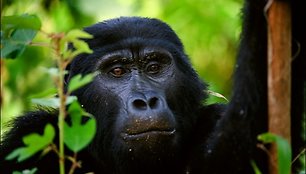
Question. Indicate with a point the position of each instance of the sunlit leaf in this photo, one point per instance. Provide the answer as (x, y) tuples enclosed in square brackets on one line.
[(79, 46), (68, 54), (79, 81), (52, 102), (284, 153), (48, 102), (25, 21), (47, 93), (75, 34), (79, 135), (33, 143), (52, 71), (32, 171)]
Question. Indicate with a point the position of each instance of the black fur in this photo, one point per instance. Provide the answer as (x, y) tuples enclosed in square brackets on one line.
[(206, 139)]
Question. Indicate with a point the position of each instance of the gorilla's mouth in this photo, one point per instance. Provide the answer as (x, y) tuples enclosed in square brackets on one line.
[(149, 128), (147, 134)]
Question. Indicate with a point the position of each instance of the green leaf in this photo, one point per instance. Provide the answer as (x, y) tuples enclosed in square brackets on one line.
[(79, 81), (48, 102), (47, 93), (80, 47), (255, 167), (283, 151), (71, 99), (76, 33), (74, 37), (267, 137), (34, 143), (24, 21), (17, 32), (15, 45), (53, 72), (52, 102), (32, 171), (78, 135)]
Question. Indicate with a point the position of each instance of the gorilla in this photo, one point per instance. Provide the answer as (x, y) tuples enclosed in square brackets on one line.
[(150, 108)]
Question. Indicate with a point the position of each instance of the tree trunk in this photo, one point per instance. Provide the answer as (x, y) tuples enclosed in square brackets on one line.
[(279, 73)]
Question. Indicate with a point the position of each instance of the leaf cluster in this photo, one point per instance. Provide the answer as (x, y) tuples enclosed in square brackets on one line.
[(17, 33)]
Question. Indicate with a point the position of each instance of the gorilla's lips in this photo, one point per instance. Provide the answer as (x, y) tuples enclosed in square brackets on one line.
[(148, 128), (148, 133), (155, 142)]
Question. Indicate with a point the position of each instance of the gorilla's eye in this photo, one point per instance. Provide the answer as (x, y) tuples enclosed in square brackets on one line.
[(118, 72), (153, 68)]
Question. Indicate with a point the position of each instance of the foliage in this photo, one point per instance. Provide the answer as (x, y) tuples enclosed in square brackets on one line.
[(208, 29), (255, 167), (78, 81), (22, 78), (17, 33), (52, 102), (32, 171), (34, 143), (284, 153), (78, 135)]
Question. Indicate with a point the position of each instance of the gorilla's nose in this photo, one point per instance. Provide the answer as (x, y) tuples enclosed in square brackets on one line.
[(148, 113), (144, 104)]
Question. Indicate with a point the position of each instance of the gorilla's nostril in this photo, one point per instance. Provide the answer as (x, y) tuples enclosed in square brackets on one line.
[(153, 103), (140, 104)]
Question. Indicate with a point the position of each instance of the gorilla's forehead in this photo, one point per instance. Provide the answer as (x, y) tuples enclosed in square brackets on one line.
[(144, 53), (132, 29)]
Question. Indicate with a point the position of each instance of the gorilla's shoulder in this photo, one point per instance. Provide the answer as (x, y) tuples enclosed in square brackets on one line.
[(30, 122)]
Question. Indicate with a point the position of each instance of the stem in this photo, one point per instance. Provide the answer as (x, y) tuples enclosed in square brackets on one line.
[(62, 109), (39, 44), (75, 163), (62, 114)]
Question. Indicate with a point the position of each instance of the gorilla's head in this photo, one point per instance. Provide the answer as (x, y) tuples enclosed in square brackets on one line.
[(146, 94)]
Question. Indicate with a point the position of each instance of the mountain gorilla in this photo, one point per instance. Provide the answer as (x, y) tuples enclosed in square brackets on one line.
[(148, 102)]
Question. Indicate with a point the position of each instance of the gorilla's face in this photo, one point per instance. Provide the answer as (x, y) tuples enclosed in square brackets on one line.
[(145, 95), (139, 80)]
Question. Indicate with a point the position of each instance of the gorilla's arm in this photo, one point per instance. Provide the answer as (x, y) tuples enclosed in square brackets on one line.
[(32, 122), (35, 122), (233, 142), (232, 145)]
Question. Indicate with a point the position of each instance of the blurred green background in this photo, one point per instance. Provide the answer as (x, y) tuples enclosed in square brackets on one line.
[(209, 30)]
